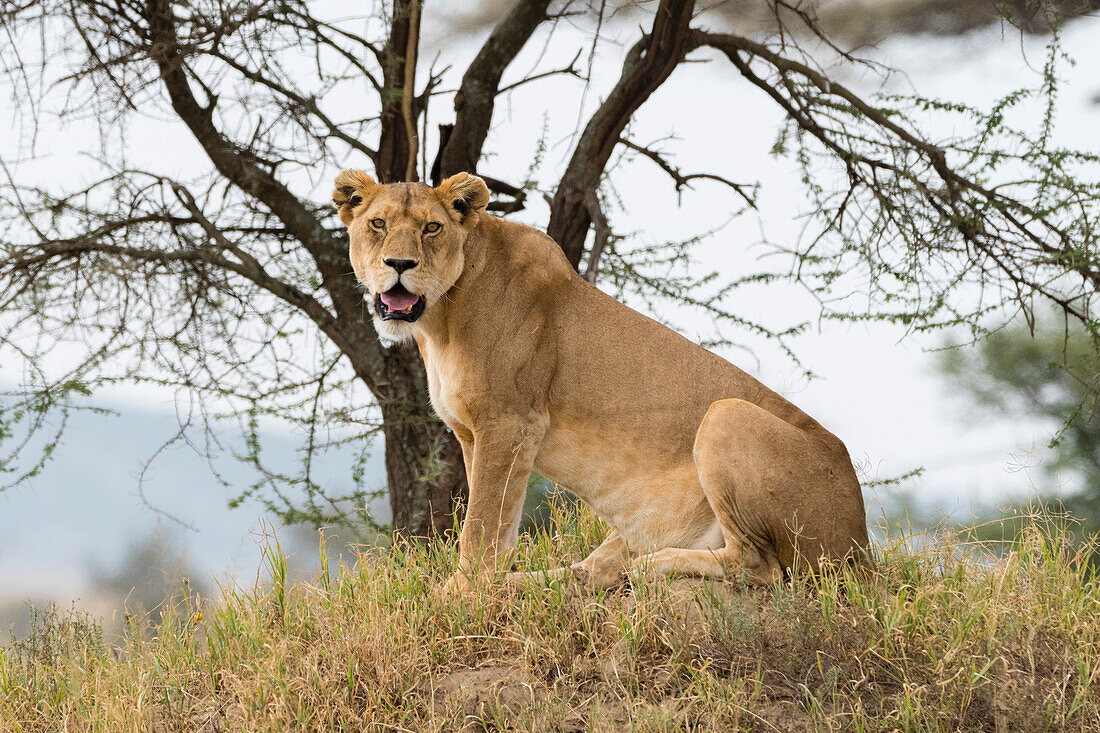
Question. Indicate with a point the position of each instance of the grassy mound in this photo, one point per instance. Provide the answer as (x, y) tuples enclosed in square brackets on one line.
[(944, 636)]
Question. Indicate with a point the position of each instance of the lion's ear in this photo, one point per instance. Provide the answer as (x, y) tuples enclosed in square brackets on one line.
[(353, 187), (465, 194)]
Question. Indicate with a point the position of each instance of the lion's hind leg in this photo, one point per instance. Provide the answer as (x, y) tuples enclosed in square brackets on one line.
[(602, 568), (785, 497), (735, 560)]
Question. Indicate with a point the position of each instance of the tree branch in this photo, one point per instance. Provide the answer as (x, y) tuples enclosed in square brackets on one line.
[(248, 268), (240, 167), (600, 235), (570, 70), (408, 91), (497, 186), (476, 95), (309, 104), (648, 64)]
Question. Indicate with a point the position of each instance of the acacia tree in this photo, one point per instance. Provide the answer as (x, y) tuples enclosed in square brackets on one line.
[(235, 288)]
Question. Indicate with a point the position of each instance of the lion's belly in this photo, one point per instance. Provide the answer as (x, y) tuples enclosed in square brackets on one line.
[(653, 500)]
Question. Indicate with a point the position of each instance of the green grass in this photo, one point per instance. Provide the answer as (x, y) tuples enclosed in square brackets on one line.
[(945, 636)]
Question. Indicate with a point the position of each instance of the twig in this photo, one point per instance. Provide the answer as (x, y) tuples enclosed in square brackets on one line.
[(571, 70), (683, 180)]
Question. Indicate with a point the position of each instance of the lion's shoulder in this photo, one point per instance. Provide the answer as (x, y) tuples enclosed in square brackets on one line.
[(517, 246)]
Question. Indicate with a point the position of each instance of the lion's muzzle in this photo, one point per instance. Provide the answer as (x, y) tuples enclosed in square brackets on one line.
[(398, 304)]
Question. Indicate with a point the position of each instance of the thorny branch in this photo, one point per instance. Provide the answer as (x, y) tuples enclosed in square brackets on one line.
[(986, 219)]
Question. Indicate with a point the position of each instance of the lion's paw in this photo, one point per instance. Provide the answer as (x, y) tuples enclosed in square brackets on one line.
[(457, 586)]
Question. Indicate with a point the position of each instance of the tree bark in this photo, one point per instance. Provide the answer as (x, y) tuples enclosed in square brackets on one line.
[(393, 142)]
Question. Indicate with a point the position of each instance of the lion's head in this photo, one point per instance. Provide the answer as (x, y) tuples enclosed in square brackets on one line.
[(407, 242)]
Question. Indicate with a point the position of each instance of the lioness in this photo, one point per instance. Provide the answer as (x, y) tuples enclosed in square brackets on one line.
[(695, 466)]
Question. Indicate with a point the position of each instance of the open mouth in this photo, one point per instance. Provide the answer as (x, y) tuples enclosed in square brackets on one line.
[(398, 304)]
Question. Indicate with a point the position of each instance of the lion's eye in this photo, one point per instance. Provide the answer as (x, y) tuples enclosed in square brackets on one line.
[(379, 224), (432, 227)]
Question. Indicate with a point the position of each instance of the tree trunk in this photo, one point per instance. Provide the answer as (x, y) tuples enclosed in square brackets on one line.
[(393, 140)]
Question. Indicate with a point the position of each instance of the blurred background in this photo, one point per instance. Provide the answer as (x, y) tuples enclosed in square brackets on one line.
[(129, 504)]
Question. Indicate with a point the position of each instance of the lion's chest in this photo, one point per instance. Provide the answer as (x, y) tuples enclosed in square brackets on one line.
[(445, 390)]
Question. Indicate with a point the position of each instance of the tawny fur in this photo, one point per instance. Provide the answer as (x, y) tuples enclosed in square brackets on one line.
[(696, 466)]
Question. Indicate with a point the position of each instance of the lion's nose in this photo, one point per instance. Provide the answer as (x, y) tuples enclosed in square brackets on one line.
[(401, 265)]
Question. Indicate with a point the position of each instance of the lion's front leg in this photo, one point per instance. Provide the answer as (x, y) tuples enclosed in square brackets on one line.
[(504, 452)]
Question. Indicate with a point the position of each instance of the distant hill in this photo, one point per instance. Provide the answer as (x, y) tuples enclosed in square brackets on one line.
[(85, 513)]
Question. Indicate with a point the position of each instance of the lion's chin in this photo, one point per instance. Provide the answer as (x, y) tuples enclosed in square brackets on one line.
[(394, 333)]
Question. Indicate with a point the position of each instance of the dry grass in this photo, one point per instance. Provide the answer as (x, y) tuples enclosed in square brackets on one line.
[(945, 637)]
